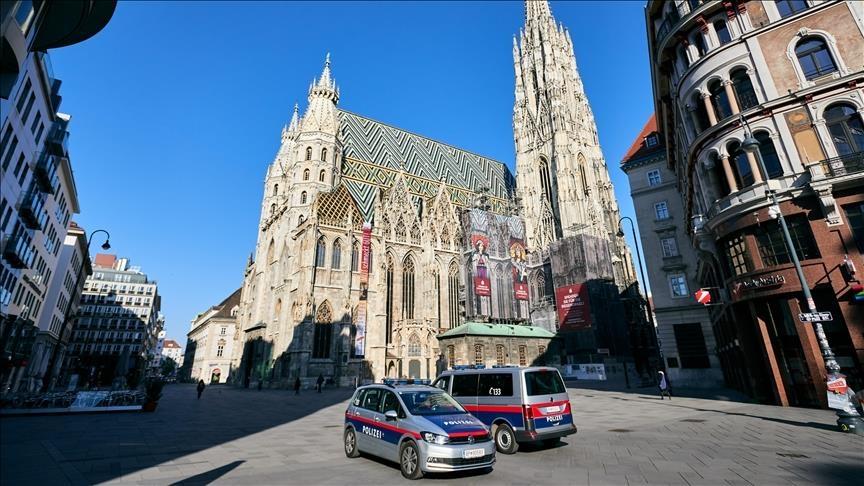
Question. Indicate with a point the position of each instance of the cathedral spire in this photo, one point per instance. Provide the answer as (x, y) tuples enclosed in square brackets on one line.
[(325, 86), (295, 119), (537, 11)]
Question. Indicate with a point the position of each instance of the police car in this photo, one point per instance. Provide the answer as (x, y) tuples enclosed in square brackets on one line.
[(518, 404), (421, 427)]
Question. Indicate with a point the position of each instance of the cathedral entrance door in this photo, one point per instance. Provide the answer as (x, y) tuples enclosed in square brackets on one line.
[(414, 368)]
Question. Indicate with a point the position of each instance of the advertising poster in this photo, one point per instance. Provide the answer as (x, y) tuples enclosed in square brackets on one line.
[(360, 336), (360, 321), (480, 264), (520, 270), (574, 312)]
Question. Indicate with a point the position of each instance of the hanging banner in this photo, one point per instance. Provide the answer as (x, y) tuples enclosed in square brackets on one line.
[(574, 311), (520, 269), (364, 254), (360, 330), (360, 318), (480, 265)]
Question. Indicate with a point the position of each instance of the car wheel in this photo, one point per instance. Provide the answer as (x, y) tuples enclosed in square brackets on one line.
[(505, 439), (351, 449), (409, 461)]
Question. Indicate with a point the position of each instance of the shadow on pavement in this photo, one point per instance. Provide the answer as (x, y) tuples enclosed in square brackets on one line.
[(209, 476), (449, 475), (97, 448), (838, 474)]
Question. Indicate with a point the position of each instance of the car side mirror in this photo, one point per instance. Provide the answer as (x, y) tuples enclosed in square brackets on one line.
[(391, 415)]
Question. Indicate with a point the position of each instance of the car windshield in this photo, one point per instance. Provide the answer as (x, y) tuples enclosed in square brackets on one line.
[(430, 402)]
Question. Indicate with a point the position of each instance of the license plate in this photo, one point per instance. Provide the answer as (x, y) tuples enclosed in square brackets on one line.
[(473, 453)]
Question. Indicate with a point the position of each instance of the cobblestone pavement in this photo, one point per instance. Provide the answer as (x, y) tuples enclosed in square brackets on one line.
[(267, 437)]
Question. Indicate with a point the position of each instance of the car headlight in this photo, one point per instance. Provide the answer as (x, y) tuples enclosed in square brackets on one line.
[(435, 438)]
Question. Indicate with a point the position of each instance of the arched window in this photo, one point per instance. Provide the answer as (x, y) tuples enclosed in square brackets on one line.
[(814, 57), (546, 180), (698, 41), (694, 4), (683, 57), (719, 175), (323, 332), (415, 234), (275, 189), (539, 288), (355, 256), (414, 348), (324, 154), (769, 154), (272, 209), (399, 230), (308, 153), (743, 89), (451, 356), (303, 197), (719, 99), (336, 258), (278, 308), (436, 279), (321, 176), (740, 165), (453, 294), (270, 251), (700, 112), (722, 30), (305, 174), (847, 130), (523, 355), (389, 302), (320, 253), (790, 7), (408, 288), (478, 354), (499, 355)]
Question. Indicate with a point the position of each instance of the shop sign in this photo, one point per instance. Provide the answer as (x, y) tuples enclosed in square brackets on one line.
[(761, 282), (815, 317)]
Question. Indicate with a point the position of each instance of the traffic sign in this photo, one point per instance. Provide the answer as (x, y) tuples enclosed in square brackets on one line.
[(815, 317), (703, 296)]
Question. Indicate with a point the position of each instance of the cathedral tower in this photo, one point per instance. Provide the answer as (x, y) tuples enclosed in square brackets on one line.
[(561, 175)]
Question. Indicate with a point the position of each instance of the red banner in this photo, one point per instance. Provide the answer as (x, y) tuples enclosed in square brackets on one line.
[(364, 254), (520, 270), (574, 311), (481, 287)]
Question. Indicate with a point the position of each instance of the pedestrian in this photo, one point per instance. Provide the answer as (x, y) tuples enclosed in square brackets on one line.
[(297, 386), (201, 386), (320, 382), (664, 386)]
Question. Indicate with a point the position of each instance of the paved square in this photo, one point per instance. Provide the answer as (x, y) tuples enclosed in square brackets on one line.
[(267, 437)]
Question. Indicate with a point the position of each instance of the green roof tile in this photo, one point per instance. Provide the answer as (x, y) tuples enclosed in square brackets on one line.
[(502, 330)]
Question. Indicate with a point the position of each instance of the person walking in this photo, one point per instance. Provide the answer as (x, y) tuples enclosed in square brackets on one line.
[(200, 387), (320, 382), (664, 386), (297, 386)]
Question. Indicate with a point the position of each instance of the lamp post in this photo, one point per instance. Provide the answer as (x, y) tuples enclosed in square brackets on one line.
[(642, 274), (751, 145)]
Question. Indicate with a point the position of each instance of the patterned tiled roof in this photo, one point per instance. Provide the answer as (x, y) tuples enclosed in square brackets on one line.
[(375, 152)]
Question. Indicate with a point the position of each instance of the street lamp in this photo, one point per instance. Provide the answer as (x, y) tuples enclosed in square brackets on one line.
[(105, 246), (641, 272), (751, 145)]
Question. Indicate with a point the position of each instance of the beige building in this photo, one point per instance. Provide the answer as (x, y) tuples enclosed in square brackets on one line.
[(790, 75), (211, 342), (481, 343)]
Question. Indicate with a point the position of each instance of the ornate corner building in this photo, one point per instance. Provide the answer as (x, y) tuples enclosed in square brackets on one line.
[(790, 72), (362, 257)]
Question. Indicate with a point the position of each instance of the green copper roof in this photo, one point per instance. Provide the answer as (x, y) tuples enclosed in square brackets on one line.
[(503, 330)]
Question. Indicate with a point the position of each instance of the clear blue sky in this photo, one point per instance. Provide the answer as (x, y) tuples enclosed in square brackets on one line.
[(177, 109)]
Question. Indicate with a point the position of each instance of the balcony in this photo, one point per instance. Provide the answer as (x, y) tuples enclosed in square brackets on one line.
[(16, 251), (755, 195), (45, 173), (57, 141), (31, 209), (843, 165)]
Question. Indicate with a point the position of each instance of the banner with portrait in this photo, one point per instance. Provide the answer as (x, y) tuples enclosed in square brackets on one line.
[(480, 264), (519, 267), (360, 319)]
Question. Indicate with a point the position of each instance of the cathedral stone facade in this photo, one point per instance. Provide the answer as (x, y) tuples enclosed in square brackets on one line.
[(363, 258)]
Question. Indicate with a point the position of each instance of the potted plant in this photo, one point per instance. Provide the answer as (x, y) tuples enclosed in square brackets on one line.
[(153, 391)]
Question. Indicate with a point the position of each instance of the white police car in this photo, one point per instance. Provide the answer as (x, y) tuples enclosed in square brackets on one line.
[(421, 427)]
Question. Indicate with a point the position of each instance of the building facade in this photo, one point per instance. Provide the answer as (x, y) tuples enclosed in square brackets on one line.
[(684, 327), (116, 329), (481, 343), (37, 191), (172, 350), (373, 240), (790, 73), (211, 342)]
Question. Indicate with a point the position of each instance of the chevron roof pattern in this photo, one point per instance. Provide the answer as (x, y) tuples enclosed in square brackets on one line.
[(373, 153)]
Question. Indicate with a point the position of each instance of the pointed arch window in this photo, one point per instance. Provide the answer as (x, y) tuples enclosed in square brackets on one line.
[(743, 89), (388, 321), (399, 230), (814, 57), (436, 279), (308, 153), (769, 154), (303, 197), (336, 257), (453, 295), (545, 180), (278, 308), (320, 253), (324, 154), (846, 128), (414, 348), (322, 336), (305, 174), (321, 176), (271, 251), (743, 174), (408, 288), (355, 256), (415, 234)]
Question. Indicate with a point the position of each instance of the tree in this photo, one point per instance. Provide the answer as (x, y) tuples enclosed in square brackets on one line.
[(169, 366)]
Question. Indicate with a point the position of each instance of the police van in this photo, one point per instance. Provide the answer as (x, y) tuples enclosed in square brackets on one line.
[(518, 404), (421, 427)]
